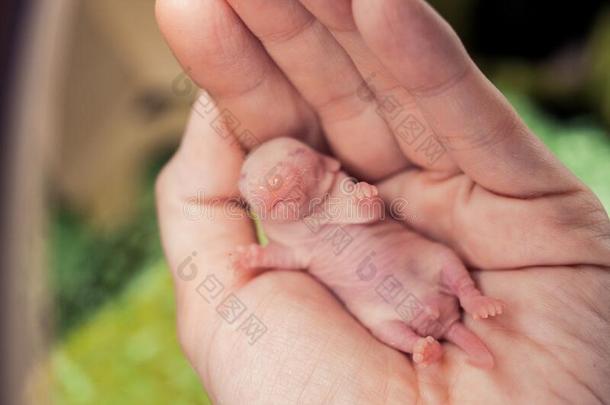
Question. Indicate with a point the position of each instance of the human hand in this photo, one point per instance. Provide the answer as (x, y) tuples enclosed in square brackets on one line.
[(497, 196)]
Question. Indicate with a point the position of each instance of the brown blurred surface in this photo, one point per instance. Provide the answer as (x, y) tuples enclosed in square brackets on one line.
[(118, 108)]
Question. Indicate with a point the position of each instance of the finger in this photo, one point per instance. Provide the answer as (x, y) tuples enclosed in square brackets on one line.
[(496, 232), (200, 223), (397, 107), (222, 56), (470, 117), (326, 77)]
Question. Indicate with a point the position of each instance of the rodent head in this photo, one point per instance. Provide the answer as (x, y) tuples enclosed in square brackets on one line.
[(281, 177)]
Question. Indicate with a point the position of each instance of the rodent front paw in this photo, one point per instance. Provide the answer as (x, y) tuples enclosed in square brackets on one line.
[(364, 190)]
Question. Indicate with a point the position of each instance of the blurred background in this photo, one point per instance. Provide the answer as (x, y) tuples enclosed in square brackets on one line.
[(94, 105)]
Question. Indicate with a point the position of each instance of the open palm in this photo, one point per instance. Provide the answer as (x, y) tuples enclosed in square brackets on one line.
[(388, 86)]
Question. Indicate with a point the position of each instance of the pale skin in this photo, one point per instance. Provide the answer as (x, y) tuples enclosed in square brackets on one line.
[(536, 236), (288, 185)]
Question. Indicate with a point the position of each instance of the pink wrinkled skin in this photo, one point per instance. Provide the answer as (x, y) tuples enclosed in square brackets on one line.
[(405, 289)]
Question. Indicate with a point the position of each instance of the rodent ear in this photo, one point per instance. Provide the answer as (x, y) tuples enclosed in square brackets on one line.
[(331, 164)]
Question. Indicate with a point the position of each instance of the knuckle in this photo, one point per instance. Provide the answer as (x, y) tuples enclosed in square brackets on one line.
[(583, 210)]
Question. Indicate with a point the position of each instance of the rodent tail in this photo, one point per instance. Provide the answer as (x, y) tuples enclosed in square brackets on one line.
[(465, 339)]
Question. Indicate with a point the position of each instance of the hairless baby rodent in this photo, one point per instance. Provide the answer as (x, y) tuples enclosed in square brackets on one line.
[(404, 288)]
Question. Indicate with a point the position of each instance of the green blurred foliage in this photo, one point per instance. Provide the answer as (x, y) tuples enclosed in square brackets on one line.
[(89, 266), (128, 352)]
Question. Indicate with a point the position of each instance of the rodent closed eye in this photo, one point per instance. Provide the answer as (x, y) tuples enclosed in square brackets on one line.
[(275, 182)]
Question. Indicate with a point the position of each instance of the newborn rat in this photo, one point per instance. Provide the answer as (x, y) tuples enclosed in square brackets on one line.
[(405, 289)]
